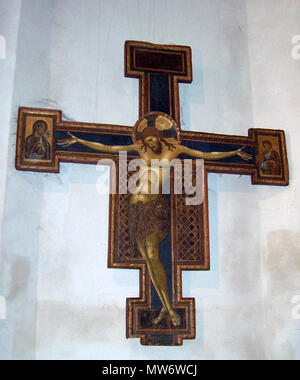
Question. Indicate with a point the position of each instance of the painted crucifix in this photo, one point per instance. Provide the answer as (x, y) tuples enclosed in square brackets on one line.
[(153, 231)]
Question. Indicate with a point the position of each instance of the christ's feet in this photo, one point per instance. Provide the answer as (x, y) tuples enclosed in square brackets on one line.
[(175, 318), (161, 315)]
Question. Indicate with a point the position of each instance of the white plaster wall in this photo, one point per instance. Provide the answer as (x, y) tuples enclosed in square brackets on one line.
[(9, 22), (276, 98), (62, 301)]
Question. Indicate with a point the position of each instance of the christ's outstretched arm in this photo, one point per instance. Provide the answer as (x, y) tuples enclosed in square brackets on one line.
[(97, 146), (215, 155)]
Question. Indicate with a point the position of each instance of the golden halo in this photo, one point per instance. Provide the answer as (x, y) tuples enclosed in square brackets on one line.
[(161, 122), (142, 125)]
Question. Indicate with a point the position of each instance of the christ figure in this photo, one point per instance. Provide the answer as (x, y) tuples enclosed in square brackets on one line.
[(155, 136)]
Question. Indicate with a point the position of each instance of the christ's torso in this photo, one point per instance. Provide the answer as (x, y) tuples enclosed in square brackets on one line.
[(154, 171)]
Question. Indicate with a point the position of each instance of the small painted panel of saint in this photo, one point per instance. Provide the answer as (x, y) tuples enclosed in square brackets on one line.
[(271, 159), (37, 145)]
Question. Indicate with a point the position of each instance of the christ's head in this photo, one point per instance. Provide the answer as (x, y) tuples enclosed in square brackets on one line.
[(154, 130), (154, 143)]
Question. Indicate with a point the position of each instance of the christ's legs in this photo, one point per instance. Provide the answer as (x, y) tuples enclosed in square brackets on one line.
[(150, 252), (144, 253), (158, 270)]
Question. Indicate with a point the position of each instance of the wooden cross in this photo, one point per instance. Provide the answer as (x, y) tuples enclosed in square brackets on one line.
[(159, 69)]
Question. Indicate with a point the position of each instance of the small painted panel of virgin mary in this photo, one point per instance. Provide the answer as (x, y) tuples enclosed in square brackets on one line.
[(37, 145)]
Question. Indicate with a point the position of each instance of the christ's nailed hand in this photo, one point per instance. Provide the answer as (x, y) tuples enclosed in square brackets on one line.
[(67, 142), (245, 156)]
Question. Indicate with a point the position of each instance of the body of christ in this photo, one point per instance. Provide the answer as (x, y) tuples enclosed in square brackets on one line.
[(148, 210)]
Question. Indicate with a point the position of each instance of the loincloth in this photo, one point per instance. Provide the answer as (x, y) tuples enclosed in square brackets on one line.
[(149, 217)]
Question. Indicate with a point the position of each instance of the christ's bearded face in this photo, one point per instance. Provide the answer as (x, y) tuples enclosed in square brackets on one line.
[(153, 143)]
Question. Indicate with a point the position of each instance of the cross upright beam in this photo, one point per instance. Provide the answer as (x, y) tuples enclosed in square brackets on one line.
[(159, 69)]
